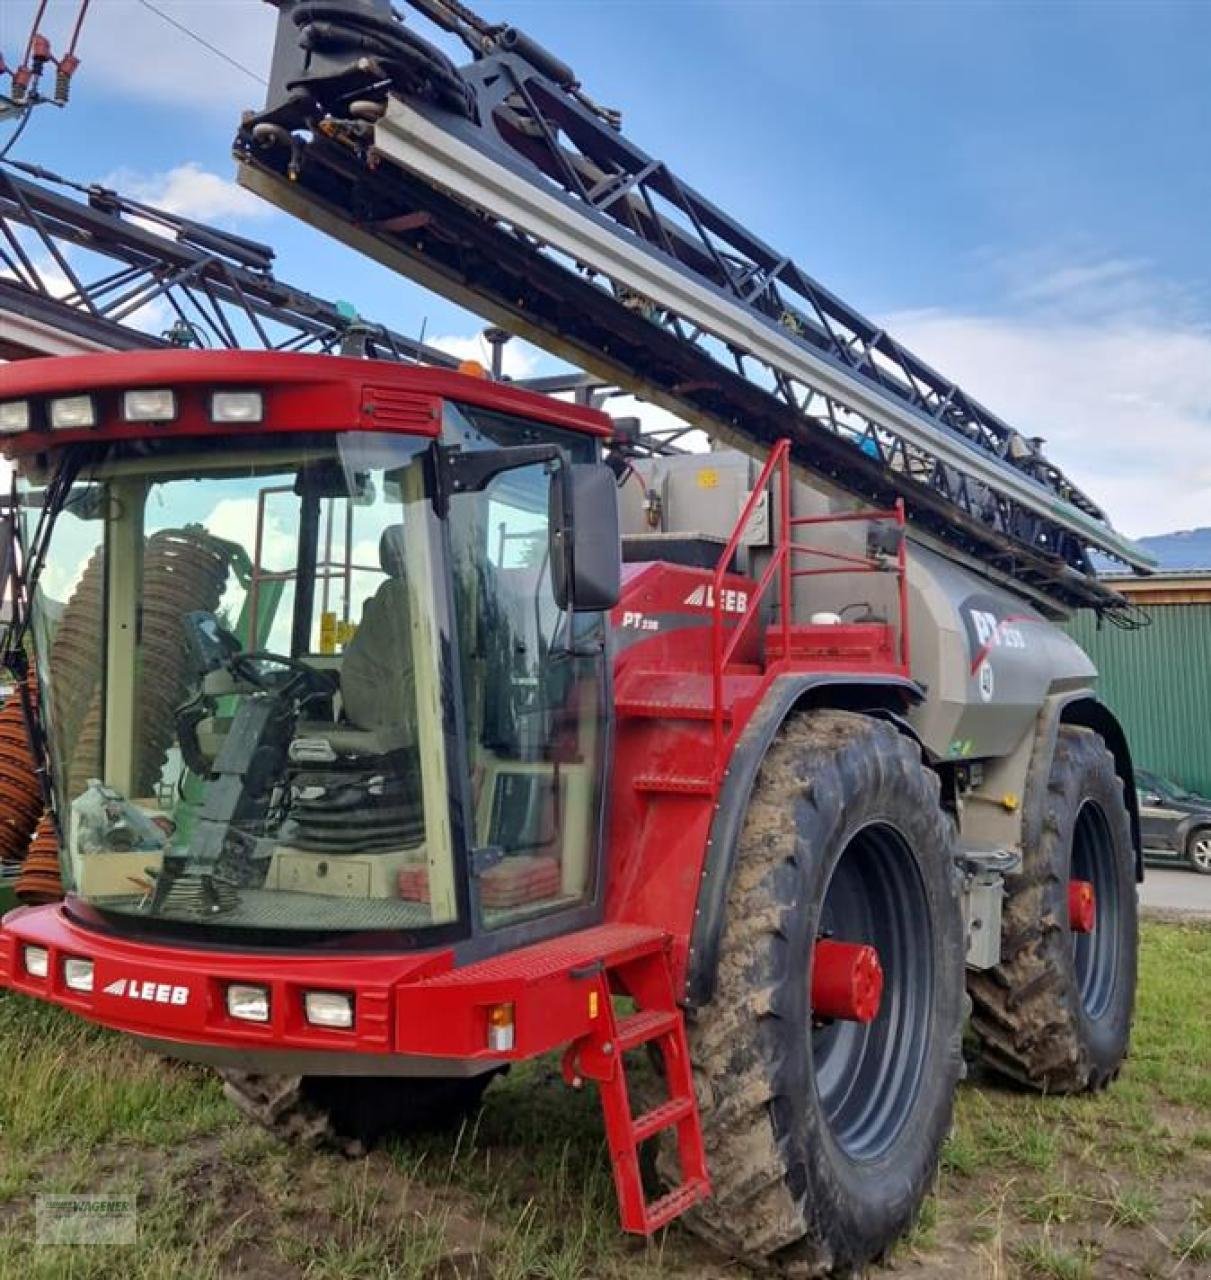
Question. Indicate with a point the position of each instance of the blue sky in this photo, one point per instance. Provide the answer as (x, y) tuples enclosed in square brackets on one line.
[(1021, 191)]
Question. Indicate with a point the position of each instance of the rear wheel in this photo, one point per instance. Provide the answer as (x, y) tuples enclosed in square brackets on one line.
[(822, 1129), (337, 1110), (1055, 1014), (1198, 851)]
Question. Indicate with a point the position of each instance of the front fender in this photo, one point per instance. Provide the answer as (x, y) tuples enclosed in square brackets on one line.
[(873, 694)]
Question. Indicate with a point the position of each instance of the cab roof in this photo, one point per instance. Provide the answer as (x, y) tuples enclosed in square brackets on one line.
[(302, 392)]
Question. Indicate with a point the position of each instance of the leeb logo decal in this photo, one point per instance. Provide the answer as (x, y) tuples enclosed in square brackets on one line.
[(149, 992)]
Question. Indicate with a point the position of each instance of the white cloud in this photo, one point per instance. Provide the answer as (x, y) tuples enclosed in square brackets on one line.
[(191, 192), (1124, 405), (520, 359)]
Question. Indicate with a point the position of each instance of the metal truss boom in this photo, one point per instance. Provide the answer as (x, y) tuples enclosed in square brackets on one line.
[(502, 185)]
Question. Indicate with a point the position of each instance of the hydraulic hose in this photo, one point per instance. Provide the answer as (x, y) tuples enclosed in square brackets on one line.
[(414, 66)]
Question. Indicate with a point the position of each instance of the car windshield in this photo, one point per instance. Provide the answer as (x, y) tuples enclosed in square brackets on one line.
[(1164, 787), (238, 662)]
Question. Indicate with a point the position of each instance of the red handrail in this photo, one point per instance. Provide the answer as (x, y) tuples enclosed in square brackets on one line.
[(721, 653), (780, 562)]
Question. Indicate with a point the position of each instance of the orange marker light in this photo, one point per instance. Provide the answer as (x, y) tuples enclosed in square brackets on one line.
[(500, 1028)]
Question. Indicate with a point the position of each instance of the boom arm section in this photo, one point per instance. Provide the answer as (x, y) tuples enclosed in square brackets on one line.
[(502, 185)]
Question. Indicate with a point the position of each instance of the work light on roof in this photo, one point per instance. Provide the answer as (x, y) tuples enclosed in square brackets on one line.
[(147, 404), (237, 406), (14, 417), (72, 412)]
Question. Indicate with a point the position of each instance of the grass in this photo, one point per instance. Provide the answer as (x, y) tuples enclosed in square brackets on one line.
[(1109, 1185)]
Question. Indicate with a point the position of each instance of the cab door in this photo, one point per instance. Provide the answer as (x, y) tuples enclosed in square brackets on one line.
[(533, 680)]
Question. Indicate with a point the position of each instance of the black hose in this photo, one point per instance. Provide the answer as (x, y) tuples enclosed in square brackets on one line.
[(414, 66)]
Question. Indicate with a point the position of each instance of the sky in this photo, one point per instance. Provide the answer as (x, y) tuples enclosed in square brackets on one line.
[(1017, 191)]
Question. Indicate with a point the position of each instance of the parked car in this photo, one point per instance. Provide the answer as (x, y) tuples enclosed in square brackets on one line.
[(1175, 823)]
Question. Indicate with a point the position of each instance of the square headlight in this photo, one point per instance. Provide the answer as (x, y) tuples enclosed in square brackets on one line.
[(145, 404), (72, 412), (237, 406), (248, 1003), (328, 1008), (78, 973), (36, 961), (14, 417)]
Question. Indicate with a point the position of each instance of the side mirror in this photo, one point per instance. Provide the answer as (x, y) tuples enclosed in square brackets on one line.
[(586, 551)]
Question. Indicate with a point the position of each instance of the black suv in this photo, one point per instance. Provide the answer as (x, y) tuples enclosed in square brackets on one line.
[(1175, 823)]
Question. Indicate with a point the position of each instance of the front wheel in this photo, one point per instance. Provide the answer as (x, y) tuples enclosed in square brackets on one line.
[(326, 1111), (827, 1061), (1198, 851)]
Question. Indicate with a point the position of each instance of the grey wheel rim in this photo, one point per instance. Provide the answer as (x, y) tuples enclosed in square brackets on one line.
[(1200, 851), (867, 1077), (1096, 955)]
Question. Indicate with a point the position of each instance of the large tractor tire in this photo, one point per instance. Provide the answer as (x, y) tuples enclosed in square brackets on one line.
[(357, 1111), (1055, 1014), (823, 1135)]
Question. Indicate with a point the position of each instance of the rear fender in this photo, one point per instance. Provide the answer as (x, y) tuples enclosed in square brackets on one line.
[(1006, 810), (883, 696)]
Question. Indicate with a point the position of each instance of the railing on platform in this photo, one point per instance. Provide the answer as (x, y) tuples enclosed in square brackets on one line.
[(724, 643), (863, 564)]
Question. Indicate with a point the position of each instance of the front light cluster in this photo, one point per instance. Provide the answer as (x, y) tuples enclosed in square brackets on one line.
[(248, 1002), (77, 971), (140, 404)]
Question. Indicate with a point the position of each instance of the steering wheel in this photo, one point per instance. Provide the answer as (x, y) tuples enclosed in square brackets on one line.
[(300, 676)]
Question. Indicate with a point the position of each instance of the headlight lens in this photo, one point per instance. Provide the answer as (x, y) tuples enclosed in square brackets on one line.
[(78, 973), (72, 411), (237, 406), (328, 1008), (248, 1003), (145, 405), (14, 417), (36, 960)]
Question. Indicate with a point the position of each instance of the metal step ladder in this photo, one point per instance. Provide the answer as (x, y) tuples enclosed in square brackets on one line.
[(600, 1056)]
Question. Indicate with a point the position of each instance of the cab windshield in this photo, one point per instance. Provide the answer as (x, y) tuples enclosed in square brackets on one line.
[(239, 656)]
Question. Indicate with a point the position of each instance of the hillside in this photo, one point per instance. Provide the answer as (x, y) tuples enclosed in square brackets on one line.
[(1184, 549)]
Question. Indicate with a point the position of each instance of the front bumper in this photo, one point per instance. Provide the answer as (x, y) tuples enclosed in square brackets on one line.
[(413, 1006)]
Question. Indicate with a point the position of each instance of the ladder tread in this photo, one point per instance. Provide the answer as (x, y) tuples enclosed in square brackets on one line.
[(648, 1024), (674, 1203), (665, 1116)]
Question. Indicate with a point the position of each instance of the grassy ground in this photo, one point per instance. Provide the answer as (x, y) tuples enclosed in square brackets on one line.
[(1116, 1185)]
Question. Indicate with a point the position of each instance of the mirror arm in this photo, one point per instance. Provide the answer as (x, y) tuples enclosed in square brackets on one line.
[(470, 471)]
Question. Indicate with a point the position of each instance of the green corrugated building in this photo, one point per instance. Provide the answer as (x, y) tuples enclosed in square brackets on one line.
[(1157, 680)]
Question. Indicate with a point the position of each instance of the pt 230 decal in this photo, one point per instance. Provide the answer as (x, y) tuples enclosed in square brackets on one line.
[(990, 630)]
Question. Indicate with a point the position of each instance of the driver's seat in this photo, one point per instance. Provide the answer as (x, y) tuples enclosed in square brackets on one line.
[(377, 693)]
